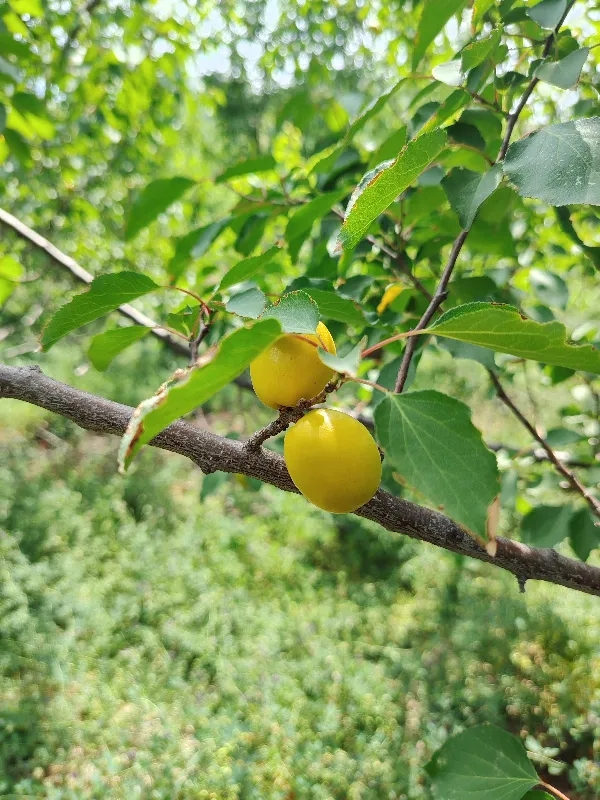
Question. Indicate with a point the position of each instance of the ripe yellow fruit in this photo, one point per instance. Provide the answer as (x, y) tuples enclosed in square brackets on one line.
[(333, 460), (290, 369)]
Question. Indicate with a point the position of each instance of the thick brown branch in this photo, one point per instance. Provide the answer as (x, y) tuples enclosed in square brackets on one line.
[(211, 452), (573, 480)]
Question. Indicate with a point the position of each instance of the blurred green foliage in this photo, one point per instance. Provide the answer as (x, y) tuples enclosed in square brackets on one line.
[(252, 647)]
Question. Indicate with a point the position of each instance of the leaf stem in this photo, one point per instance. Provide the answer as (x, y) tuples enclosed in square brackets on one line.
[(570, 476), (373, 385), (205, 308), (556, 792), (385, 342)]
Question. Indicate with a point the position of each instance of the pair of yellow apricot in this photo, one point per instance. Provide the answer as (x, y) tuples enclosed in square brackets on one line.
[(331, 457)]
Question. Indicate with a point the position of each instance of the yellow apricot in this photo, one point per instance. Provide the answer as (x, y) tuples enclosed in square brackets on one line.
[(390, 294), (333, 460), (290, 369)]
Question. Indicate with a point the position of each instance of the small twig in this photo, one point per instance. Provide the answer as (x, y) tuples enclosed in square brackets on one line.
[(436, 301), (570, 476), (197, 341), (396, 338), (285, 418), (556, 792)]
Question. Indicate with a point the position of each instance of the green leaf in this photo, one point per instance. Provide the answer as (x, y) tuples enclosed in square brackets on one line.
[(195, 244), (434, 16), (536, 795), (467, 190), (251, 166), (549, 288), (561, 437), (468, 351), (432, 443), (301, 222), (546, 526), (451, 106), (185, 320), (476, 52), (380, 187), (106, 293), (347, 364), (584, 533), (503, 329), (32, 7), (249, 304), (389, 148), (332, 306), (296, 312), (2, 117), (7, 69), (107, 346), (450, 72), (559, 164), (182, 395), (10, 269), (6, 289), (480, 8), (548, 13), (246, 269), (155, 198), (482, 763), (564, 73)]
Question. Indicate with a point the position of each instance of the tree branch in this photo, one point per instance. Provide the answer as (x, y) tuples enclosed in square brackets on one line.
[(82, 275), (574, 482), (211, 452), (441, 291)]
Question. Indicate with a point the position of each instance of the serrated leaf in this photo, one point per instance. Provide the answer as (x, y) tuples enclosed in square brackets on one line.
[(333, 306), (503, 329), (296, 312), (584, 533), (432, 443), (548, 13), (380, 187), (467, 191), (347, 364), (246, 269), (106, 346), (476, 52), (183, 394), (482, 763), (546, 526), (549, 288), (559, 164), (106, 293), (564, 73), (434, 16), (300, 223), (251, 166), (249, 304), (155, 198)]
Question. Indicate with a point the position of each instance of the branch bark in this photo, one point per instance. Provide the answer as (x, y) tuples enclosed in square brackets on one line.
[(211, 452)]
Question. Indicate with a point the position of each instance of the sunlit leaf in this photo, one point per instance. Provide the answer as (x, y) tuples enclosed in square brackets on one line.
[(296, 312), (380, 187), (503, 329), (106, 293), (434, 16), (559, 164), (155, 198), (432, 443), (250, 166), (476, 52), (482, 763), (106, 346), (196, 386), (333, 306)]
